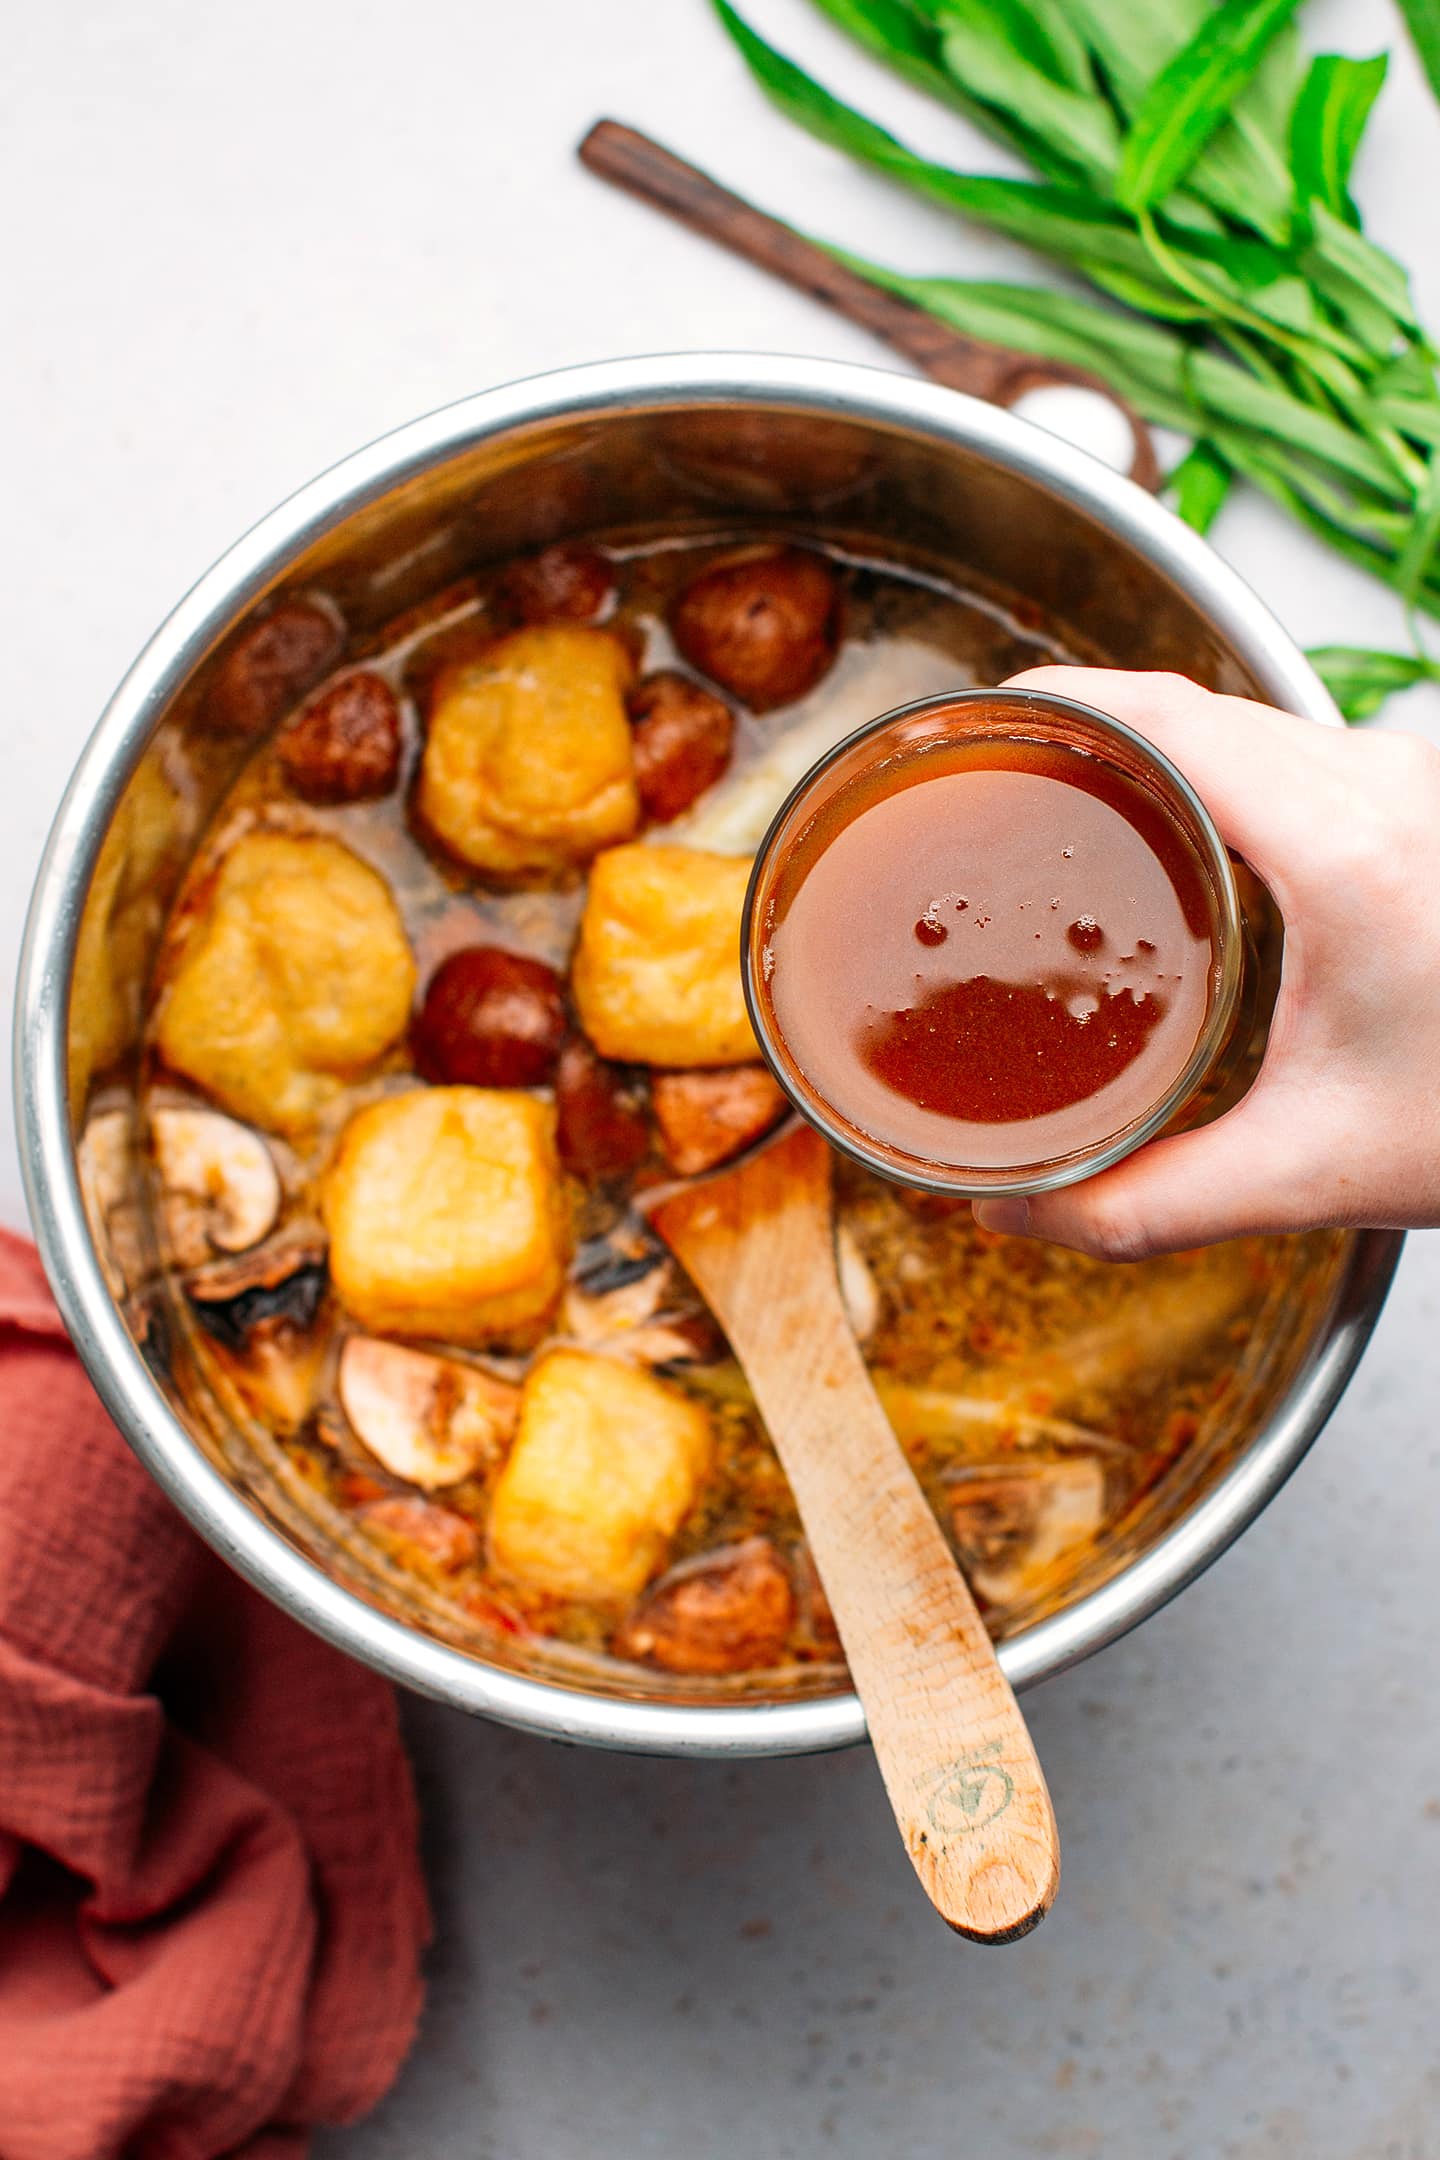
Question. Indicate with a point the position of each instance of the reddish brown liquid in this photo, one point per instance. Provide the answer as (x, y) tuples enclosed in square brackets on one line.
[(997, 957)]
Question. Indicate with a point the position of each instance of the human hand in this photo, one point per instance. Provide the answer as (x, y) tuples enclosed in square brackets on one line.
[(1342, 1125)]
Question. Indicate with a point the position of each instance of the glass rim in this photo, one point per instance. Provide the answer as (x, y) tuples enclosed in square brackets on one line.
[(966, 1181)]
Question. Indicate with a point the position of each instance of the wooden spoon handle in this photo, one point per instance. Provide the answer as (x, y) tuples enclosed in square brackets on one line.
[(645, 168), (958, 1763)]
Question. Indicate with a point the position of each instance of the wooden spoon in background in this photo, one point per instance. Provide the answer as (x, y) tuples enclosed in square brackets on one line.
[(958, 1762), (645, 168)]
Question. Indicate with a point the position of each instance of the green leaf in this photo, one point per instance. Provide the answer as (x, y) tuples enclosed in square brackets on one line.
[(978, 54), (1367, 319), (1422, 19), (1419, 549), (1370, 266), (1036, 32), (1231, 394), (1200, 484), (1146, 294), (1411, 416), (1360, 679), (1248, 159), (1191, 96), (1246, 279), (1072, 224), (894, 33), (1327, 399), (1173, 383), (1326, 127), (1243, 168), (804, 100), (1270, 473), (1282, 307)]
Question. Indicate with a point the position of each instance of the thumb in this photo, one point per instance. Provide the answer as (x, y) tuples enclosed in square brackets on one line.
[(1239, 1177)]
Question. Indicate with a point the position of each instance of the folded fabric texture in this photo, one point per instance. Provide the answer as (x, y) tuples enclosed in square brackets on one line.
[(211, 1907)]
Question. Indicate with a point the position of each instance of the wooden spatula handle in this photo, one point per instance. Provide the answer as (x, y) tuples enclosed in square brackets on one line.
[(962, 1774)]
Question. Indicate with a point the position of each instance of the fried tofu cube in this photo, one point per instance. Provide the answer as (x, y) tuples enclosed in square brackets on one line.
[(528, 767), (296, 978), (604, 1467), (657, 971), (447, 1216)]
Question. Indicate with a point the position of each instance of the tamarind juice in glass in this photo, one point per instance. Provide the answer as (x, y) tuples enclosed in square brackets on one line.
[(992, 943)]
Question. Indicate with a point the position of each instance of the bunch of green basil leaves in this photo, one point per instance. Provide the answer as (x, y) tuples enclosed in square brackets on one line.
[(1193, 165)]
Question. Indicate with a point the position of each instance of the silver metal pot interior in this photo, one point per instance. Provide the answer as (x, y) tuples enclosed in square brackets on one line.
[(896, 467)]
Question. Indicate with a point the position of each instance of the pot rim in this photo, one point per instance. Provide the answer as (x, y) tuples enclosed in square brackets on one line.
[(259, 1551)]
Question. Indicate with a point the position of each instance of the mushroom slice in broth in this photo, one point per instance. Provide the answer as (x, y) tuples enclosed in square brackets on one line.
[(429, 1420), (220, 1188), (1013, 1523), (260, 1308)]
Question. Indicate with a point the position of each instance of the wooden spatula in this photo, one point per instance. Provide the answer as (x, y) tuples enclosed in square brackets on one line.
[(646, 168), (959, 1765)]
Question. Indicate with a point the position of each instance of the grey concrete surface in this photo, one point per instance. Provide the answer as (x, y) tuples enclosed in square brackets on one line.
[(242, 240)]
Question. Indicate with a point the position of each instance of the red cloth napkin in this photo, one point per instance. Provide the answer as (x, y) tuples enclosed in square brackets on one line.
[(211, 1910)]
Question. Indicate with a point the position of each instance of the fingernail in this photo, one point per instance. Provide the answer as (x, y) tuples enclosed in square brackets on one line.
[(1010, 1217)]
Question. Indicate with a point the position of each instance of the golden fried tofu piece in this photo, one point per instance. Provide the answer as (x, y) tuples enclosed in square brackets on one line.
[(297, 978), (528, 765), (657, 971), (604, 1467), (447, 1216)]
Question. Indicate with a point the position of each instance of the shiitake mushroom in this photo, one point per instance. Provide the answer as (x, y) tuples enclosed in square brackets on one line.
[(277, 1285), (765, 625)]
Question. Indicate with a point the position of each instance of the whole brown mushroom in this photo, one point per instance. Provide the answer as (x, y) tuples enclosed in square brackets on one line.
[(490, 1018), (270, 664), (765, 625), (564, 583), (603, 1119), (683, 738), (344, 746)]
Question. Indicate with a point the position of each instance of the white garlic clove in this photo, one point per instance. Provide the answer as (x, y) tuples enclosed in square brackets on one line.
[(857, 1285)]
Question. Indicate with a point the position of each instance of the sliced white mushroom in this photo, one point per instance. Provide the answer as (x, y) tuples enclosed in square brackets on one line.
[(105, 1160), (857, 1285), (639, 1321), (671, 1340), (430, 1420), (590, 1319), (220, 1185), (1013, 1524)]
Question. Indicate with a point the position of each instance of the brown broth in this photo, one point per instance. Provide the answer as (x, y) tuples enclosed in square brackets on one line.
[(997, 954)]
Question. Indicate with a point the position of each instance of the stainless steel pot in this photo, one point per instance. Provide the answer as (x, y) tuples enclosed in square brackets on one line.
[(683, 441)]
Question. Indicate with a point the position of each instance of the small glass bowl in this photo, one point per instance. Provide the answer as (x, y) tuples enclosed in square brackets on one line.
[(903, 736)]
